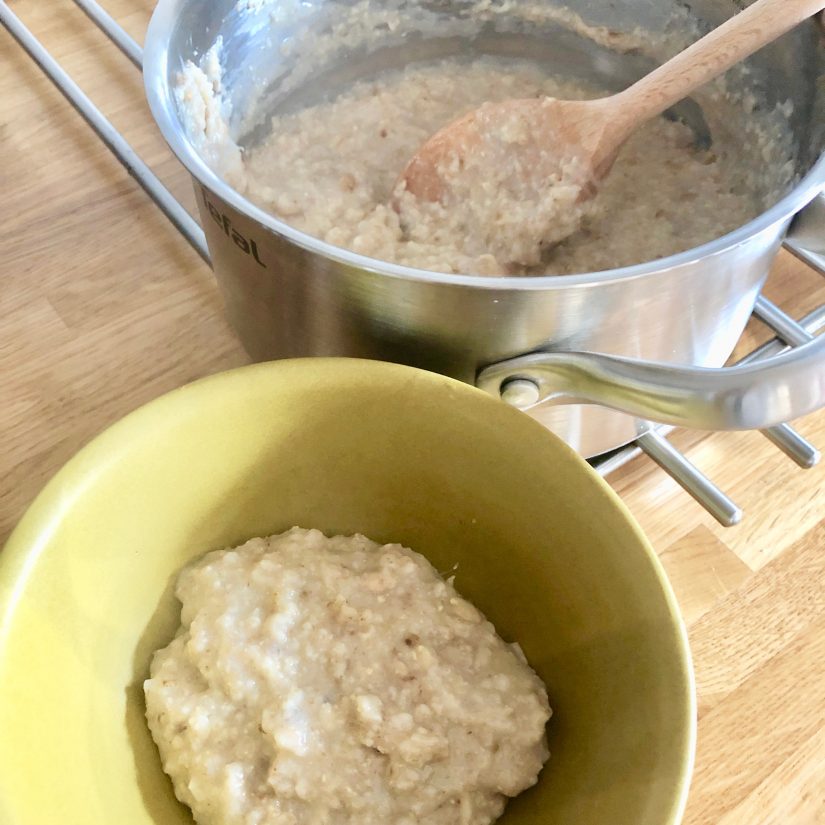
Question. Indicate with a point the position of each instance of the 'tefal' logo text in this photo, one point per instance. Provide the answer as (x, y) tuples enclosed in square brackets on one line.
[(247, 246)]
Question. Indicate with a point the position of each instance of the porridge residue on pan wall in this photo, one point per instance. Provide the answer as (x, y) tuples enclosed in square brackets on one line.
[(329, 169), (336, 681)]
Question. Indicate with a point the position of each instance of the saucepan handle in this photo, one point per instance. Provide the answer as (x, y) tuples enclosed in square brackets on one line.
[(756, 395), (752, 396)]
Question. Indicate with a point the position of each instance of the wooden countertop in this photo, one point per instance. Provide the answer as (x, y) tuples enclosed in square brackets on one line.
[(103, 306)]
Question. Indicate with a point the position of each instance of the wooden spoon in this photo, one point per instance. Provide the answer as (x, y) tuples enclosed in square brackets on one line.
[(528, 146)]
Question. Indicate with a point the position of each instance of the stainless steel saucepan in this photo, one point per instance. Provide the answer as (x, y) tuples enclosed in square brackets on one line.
[(593, 356)]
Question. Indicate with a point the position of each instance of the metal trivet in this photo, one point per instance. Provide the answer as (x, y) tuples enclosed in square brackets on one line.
[(788, 331)]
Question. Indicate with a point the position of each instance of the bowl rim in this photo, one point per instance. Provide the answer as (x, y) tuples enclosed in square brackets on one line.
[(43, 516)]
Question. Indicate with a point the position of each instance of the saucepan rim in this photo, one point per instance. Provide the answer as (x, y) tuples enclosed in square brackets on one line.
[(162, 105)]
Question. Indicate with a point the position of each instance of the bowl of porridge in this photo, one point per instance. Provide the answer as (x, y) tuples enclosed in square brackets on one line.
[(296, 119), (354, 581)]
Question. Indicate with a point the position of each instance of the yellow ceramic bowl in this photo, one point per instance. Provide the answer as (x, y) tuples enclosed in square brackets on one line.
[(543, 547)]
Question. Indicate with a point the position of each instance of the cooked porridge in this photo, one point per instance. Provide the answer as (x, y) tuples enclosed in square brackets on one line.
[(333, 681), (330, 170), (490, 180)]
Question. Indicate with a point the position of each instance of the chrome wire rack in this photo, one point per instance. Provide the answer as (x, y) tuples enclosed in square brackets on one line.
[(788, 331)]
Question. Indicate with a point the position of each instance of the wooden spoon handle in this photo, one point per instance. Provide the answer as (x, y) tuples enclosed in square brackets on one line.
[(734, 40)]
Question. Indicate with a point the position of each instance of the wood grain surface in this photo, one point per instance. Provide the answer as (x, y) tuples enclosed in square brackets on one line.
[(103, 307)]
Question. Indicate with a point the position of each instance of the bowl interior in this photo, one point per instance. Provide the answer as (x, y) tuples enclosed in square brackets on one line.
[(541, 545)]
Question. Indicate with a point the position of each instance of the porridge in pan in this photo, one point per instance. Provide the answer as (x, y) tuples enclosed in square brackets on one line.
[(330, 681), (330, 170)]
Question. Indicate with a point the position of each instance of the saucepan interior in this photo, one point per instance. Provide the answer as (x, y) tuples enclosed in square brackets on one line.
[(277, 55)]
